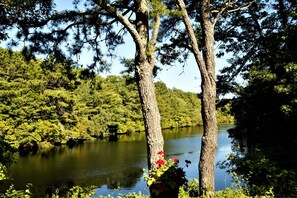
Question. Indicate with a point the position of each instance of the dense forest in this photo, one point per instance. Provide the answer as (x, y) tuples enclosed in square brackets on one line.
[(44, 103), (265, 108)]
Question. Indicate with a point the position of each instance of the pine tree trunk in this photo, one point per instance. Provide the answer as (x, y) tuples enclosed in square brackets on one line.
[(209, 138), (146, 88), (206, 65), (151, 115)]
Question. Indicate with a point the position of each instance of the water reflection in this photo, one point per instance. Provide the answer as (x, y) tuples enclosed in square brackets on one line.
[(113, 165)]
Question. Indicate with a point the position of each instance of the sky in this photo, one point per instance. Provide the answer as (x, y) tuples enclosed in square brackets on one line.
[(185, 78)]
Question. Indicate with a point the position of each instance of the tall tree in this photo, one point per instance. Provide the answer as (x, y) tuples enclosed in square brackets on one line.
[(198, 38), (206, 65), (92, 25)]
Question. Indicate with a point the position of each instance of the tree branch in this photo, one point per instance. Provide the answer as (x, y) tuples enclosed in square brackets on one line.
[(114, 20), (156, 29), (4, 5), (125, 22), (192, 37), (242, 7), (229, 4), (153, 41)]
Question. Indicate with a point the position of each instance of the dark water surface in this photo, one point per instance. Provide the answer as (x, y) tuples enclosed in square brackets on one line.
[(114, 165)]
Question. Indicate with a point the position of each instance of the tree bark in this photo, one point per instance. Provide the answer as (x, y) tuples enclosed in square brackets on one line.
[(206, 65), (209, 139), (151, 115), (144, 65)]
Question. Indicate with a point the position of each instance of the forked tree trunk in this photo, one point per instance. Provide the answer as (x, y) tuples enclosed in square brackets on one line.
[(144, 65), (206, 65), (209, 139)]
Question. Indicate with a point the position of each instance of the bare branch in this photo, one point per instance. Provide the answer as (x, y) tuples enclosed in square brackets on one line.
[(229, 4), (156, 28), (125, 22), (4, 5), (115, 20), (192, 37), (152, 44), (242, 7)]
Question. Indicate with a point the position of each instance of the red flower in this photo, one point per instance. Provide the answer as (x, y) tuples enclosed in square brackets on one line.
[(162, 154), (160, 162), (176, 160)]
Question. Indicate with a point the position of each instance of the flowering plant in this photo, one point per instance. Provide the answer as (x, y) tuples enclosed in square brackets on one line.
[(167, 177)]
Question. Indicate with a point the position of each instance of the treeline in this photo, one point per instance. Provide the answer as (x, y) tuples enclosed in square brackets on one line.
[(44, 103)]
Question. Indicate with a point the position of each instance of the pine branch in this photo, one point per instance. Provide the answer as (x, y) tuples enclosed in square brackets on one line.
[(229, 4)]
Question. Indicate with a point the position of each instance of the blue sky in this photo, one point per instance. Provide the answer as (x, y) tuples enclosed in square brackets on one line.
[(185, 78)]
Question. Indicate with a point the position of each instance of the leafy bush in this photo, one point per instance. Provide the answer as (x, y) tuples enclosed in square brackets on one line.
[(13, 193)]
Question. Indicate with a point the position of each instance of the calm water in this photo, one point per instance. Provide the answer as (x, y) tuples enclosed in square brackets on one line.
[(114, 165)]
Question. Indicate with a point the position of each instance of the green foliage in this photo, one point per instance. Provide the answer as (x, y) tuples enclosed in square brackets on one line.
[(271, 95), (3, 172), (79, 192), (32, 112), (262, 175), (133, 195), (13, 193), (231, 193), (85, 192), (178, 108), (6, 157), (265, 109), (46, 103), (224, 114), (190, 190), (6, 153)]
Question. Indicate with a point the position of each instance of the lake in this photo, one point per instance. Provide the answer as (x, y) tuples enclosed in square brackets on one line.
[(114, 166)]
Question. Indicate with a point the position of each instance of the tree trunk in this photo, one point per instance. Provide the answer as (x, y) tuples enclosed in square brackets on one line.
[(206, 65), (144, 64), (151, 115), (209, 139)]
